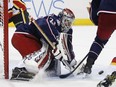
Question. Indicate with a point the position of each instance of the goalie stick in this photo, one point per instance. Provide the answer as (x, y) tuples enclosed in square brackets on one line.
[(44, 35), (68, 74), (51, 44)]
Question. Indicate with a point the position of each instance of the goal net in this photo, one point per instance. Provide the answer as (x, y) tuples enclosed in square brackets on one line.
[(4, 60)]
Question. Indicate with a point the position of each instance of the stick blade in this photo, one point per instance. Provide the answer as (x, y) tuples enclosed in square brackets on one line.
[(64, 75)]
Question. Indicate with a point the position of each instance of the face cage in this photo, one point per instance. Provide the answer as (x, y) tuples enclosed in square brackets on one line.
[(66, 23)]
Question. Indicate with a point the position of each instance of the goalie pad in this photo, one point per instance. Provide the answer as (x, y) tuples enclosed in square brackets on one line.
[(67, 59), (39, 59), (54, 68), (63, 46)]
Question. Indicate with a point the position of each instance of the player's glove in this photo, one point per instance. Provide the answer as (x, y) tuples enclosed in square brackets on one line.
[(18, 13), (19, 4), (57, 53)]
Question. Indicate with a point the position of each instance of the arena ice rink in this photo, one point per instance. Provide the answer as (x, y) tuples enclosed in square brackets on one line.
[(83, 36)]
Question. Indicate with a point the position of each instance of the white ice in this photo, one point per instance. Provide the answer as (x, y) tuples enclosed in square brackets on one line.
[(83, 36)]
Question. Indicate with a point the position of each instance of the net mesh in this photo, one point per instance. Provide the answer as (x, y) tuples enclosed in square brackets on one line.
[(1, 12), (1, 39)]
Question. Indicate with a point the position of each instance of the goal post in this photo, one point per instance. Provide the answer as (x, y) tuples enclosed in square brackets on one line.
[(4, 37), (6, 52)]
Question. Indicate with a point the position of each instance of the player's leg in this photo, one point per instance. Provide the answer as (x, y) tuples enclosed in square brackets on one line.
[(35, 55), (94, 52), (27, 43), (105, 29)]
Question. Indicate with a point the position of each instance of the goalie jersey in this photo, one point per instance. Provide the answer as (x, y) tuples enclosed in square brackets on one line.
[(51, 27), (98, 6)]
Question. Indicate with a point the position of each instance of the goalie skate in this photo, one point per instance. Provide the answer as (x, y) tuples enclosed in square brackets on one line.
[(21, 74)]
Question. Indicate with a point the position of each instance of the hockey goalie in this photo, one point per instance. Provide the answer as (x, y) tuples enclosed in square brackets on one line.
[(43, 43)]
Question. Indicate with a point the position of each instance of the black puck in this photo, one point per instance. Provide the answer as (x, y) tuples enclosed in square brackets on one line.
[(101, 72)]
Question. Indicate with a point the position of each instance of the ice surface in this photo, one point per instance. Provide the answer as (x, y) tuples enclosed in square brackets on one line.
[(83, 36)]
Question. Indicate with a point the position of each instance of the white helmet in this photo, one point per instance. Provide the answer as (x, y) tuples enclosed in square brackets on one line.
[(67, 18)]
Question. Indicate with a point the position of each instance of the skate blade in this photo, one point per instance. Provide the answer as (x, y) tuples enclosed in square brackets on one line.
[(21, 79)]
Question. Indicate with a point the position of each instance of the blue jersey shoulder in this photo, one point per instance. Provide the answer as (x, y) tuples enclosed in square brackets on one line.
[(101, 6)]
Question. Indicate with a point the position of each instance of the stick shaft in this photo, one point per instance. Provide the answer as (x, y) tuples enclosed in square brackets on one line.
[(44, 35)]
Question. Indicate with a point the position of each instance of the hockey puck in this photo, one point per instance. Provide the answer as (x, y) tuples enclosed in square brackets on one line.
[(101, 72)]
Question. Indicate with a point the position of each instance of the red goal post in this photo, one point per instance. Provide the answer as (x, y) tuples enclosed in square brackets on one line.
[(5, 43), (6, 52)]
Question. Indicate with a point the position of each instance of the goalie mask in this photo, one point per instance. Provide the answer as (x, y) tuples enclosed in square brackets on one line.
[(67, 18)]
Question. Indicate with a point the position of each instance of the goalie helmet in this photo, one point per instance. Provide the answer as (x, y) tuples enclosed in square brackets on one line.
[(67, 18)]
